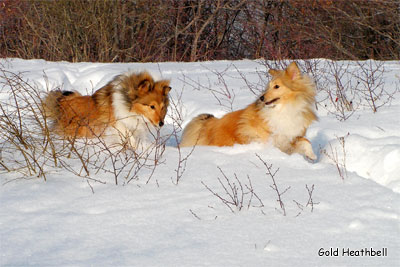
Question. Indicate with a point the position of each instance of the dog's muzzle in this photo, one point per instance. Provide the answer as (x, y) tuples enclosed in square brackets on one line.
[(272, 101)]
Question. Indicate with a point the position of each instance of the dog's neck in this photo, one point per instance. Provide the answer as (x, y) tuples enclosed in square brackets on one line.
[(287, 121)]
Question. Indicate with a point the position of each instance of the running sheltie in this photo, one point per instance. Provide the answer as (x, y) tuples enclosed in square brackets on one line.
[(126, 107), (281, 114)]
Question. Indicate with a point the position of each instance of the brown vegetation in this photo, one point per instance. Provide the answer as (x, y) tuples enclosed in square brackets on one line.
[(175, 30)]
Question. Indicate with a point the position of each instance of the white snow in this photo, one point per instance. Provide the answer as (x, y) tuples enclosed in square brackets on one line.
[(61, 222)]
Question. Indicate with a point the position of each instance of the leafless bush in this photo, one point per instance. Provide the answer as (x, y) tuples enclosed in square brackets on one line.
[(237, 194), (176, 111), (279, 64), (310, 202), (170, 30), (27, 144), (357, 84), (176, 114), (98, 156), (256, 86), (338, 158), (271, 173), (223, 94), (372, 85), (218, 80), (102, 156), (182, 160), (341, 96)]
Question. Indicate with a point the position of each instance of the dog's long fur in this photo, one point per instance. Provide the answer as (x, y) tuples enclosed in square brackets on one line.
[(282, 114), (126, 106)]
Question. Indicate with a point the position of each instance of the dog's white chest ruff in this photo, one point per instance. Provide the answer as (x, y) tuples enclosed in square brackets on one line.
[(129, 126), (286, 123)]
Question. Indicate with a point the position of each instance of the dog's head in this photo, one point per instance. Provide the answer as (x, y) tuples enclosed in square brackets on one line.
[(153, 103), (287, 86)]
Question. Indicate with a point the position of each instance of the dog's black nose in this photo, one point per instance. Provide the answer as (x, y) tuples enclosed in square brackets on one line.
[(262, 98), (161, 123)]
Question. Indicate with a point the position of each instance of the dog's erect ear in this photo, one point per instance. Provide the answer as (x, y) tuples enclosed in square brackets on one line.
[(273, 72), (166, 90), (144, 87), (162, 87), (293, 71)]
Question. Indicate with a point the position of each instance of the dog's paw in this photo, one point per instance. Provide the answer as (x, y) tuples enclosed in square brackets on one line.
[(311, 156), (312, 159), (304, 147)]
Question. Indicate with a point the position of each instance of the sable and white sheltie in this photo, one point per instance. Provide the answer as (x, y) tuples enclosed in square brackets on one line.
[(281, 114), (126, 107)]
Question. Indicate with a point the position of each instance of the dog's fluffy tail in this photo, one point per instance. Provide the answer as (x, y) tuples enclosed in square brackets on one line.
[(51, 104), (191, 134)]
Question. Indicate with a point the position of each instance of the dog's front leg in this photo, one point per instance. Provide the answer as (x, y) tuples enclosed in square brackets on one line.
[(303, 146)]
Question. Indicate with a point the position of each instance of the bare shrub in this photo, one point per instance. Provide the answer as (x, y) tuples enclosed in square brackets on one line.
[(176, 113), (341, 96), (223, 94), (272, 173), (329, 29), (310, 202), (182, 160), (236, 194), (338, 157), (218, 80), (126, 31), (99, 157), (276, 64), (255, 86), (27, 144), (372, 85)]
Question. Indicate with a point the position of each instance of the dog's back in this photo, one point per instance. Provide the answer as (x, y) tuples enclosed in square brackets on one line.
[(51, 105), (89, 116), (75, 115), (191, 134), (239, 127)]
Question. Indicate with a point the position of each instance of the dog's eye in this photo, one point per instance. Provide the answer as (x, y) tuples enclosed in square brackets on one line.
[(152, 107), (276, 86)]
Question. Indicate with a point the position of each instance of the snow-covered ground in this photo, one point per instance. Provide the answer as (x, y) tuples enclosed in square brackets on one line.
[(71, 221)]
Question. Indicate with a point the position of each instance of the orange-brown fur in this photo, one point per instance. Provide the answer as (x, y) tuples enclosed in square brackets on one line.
[(158, 99), (282, 114), (80, 116), (120, 102)]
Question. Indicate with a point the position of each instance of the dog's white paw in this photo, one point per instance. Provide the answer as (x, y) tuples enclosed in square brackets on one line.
[(311, 157), (304, 147)]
